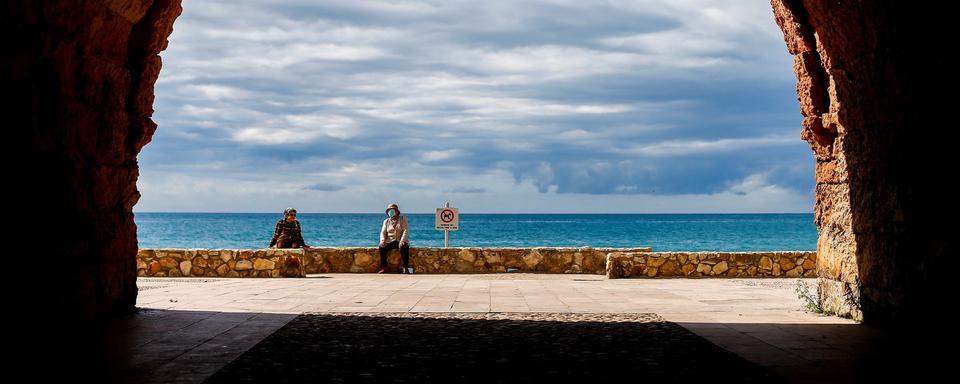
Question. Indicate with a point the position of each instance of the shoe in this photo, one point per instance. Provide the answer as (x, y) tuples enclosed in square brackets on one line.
[(403, 271), (381, 271), (410, 270)]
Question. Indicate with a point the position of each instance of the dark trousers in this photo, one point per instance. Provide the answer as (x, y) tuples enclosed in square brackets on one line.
[(404, 253), (292, 243)]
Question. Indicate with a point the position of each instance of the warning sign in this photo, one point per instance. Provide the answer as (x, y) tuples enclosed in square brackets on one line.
[(448, 219)]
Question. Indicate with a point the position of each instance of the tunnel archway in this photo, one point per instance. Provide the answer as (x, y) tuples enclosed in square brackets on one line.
[(80, 78), (867, 88)]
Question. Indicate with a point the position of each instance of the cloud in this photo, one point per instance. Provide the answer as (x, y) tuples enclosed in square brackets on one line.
[(214, 91), (324, 187), (297, 129), (691, 147), (751, 184), (517, 101), (433, 156), (468, 190)]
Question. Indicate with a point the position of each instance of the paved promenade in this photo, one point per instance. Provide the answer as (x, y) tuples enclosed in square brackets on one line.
[(192, 327)]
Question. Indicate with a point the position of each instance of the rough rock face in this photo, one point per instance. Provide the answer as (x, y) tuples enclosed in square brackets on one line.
[(872, 92), (78, 80)]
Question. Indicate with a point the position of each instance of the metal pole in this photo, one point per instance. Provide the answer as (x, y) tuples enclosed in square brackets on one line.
[(446, 233)]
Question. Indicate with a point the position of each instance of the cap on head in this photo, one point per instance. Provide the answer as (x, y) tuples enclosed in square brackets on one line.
[(392, 206)]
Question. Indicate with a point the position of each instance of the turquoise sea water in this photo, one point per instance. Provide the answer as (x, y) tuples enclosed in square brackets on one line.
[(663, 232)]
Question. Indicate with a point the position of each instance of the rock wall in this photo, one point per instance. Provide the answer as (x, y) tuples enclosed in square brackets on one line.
[(220, 262), (711, 264), (77, 81), (872, 90), (273, 262), (615, 262)]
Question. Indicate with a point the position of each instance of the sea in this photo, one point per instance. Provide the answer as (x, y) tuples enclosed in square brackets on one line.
[(662, 232)]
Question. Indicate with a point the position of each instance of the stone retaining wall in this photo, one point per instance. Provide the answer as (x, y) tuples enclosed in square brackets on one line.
[(277, 262), (712, 264), (215, 262), (615, 262)]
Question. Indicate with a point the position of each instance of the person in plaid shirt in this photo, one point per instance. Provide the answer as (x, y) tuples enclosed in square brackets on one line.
[(287, 232)]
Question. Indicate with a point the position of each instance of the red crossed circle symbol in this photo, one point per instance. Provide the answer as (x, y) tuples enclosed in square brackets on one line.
[(446, 216)]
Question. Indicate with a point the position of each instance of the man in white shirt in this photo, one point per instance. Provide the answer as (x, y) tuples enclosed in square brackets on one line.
[(395, 234)]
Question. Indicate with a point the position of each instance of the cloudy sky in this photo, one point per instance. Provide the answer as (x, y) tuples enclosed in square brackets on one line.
[(496, 106)]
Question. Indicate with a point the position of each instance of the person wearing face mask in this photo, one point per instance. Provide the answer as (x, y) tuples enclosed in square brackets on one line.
[(395, 234)]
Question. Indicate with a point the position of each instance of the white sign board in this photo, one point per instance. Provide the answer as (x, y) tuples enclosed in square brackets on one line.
[(448, 219)]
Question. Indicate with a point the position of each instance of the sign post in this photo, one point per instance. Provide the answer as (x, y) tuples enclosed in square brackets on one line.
[(448, 219)]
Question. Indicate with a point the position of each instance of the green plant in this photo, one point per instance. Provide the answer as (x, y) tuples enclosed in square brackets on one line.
[(811, 300)]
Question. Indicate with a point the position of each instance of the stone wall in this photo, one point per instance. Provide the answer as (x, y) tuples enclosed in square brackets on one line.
[(711, 264), (276, 262), (615, 262), (874, 103), (220, 262), (465, 260)]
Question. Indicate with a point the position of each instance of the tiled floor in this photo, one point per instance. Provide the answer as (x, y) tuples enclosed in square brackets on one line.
[(191, 327)]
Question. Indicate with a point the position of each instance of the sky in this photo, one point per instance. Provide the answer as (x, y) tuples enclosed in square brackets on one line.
[(563, 106)]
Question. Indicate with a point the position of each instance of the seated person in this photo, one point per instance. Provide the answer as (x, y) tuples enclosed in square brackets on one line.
[(287, 232), (394, 234)]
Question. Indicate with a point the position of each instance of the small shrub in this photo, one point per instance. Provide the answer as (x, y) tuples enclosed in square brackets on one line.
[(811, 300)]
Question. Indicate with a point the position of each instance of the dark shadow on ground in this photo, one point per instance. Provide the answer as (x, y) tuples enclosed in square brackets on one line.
[(487, 348), (177, 346), (148, 346)]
